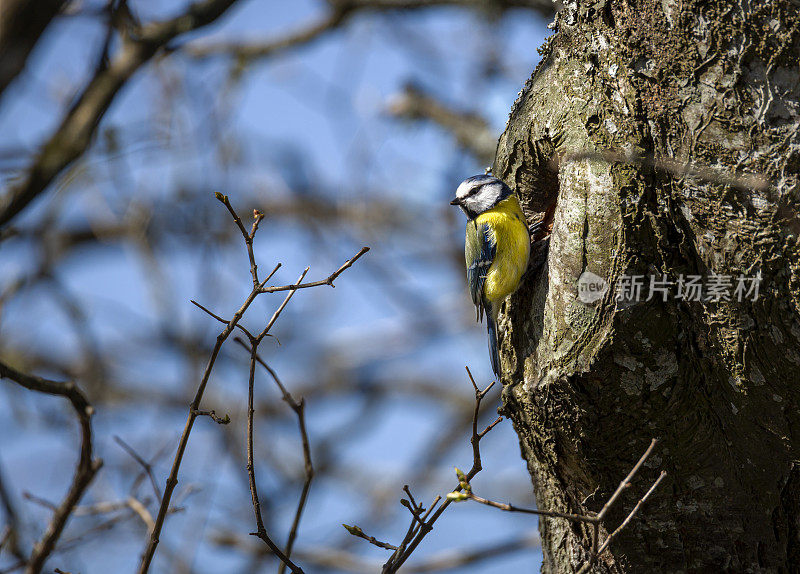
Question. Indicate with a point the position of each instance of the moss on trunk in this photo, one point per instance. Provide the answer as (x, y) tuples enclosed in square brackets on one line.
[(588, 385)]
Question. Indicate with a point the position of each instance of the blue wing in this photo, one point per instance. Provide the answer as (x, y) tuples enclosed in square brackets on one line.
[(480, 249)]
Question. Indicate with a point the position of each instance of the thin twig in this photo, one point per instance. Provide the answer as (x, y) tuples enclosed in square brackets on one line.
[(356, 531), (146, 466), (194, 409), (285, 394), (213, 416), (490, 426), (309, 476), (299, 408), (415, 509), (261, 531), (464, 492), (280, 309), (632, 513), (327, 281), (220, 319), (512, 508), (417, 532), (248, 237), (11, 537), (626, 482)]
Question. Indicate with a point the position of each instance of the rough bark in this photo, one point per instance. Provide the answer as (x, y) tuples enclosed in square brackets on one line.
[(588, 385)]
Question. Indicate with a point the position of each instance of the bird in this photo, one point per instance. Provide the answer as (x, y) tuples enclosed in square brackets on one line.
[(496, 248)]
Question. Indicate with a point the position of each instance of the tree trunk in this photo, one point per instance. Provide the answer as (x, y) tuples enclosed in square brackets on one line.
[(588, 385)]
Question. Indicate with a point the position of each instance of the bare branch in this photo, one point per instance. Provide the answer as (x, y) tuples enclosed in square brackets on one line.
[(248, 51), (194, 410), (74, 134), (21, 26), (299, 410), (261, 530), (469, 495), (341, 10), (356, 531), (465, 493), (327, 281), (472, 131), (626, 482), (417, 533), (632, 513), (84, 471), (146, 466)]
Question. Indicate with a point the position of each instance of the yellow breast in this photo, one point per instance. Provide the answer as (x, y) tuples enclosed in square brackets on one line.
[(507, 222)]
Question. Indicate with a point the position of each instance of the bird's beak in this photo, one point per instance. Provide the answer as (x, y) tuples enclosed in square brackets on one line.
[(455, 202)]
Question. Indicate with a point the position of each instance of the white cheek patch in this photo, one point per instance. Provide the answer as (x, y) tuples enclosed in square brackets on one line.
[(466, 188), (484, 199)]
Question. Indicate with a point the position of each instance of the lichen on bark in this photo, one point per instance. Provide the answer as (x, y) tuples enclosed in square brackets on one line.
[(588, 385)]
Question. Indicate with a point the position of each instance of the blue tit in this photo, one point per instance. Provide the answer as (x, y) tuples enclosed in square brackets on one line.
[(497, 248)]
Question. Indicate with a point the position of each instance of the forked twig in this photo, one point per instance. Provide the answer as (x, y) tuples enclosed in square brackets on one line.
[(146, 466), (465, 493), (422, 521), (631, 514), (421, 525), (299, 409), (194, 408), (261, 531), (327, 281)]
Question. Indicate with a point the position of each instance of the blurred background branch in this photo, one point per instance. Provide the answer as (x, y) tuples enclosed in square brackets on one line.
[(471, 130), (344, 124)]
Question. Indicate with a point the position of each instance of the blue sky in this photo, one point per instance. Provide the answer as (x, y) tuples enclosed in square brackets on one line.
[(311, 118)]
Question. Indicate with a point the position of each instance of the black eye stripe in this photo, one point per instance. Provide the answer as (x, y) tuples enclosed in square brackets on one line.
[(472, 192)]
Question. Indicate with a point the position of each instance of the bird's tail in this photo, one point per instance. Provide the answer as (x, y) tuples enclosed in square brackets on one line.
[(494, 355)]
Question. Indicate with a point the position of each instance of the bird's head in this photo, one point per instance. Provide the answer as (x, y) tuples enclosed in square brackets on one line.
[(479, 193)]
